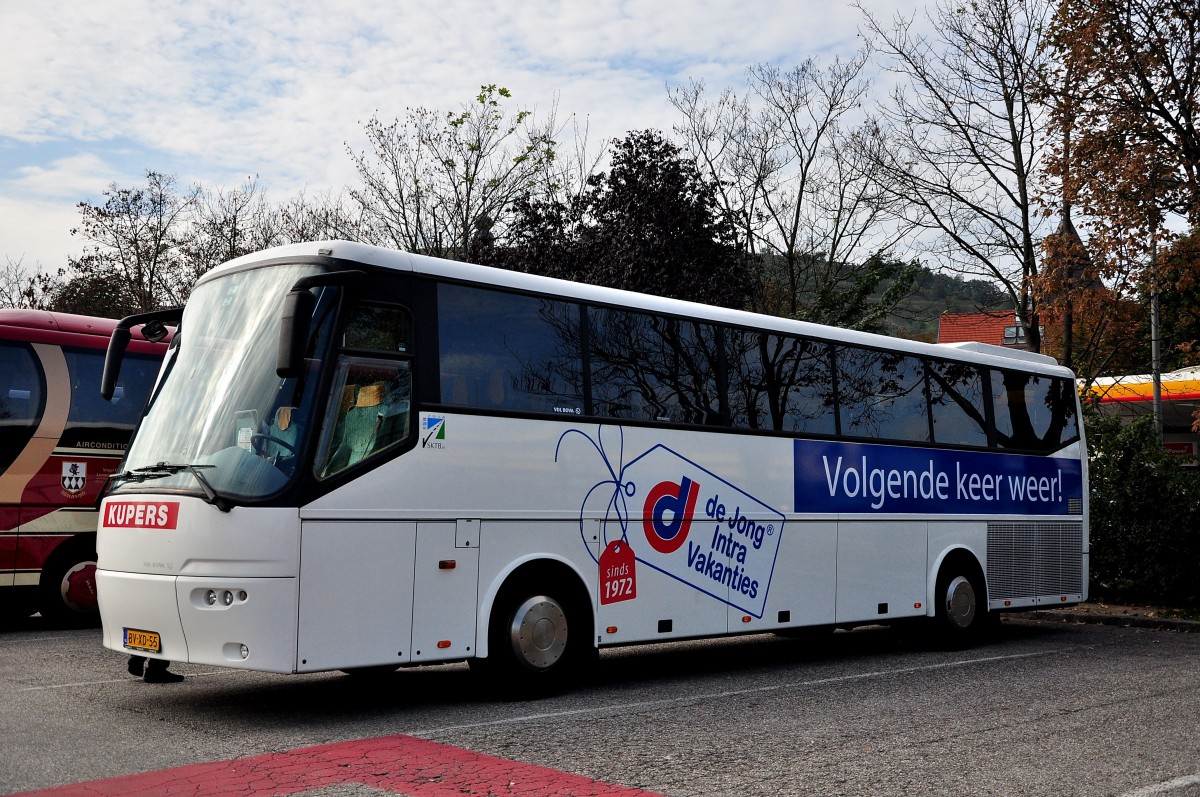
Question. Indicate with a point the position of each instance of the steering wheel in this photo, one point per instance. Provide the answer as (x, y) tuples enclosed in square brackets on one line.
[(257, 439)]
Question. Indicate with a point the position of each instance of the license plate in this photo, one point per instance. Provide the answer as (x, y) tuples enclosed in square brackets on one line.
[(148, 641)]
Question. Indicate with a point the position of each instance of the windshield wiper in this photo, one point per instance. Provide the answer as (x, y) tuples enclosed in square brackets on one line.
[(164, 469)]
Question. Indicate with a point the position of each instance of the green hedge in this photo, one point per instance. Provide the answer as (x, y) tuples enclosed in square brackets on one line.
[(1145, 516)]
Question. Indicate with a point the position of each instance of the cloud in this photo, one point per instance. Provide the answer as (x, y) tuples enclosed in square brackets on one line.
[(186, 76), (37, 232), (73, 177), (215, 90)]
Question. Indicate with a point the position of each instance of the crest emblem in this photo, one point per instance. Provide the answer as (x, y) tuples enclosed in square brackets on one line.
[(74, 477)]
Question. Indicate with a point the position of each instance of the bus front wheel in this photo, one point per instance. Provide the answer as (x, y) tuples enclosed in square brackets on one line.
[(538, 633), (538, 640)]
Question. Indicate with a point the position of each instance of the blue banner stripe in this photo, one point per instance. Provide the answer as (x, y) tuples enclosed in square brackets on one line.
[(866, 478)]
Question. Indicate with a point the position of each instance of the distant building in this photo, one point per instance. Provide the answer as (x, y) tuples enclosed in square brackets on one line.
[(998, 329), (1132, 397)]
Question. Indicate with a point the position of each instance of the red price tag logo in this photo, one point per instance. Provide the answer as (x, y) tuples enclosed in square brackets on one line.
[(618, 579)]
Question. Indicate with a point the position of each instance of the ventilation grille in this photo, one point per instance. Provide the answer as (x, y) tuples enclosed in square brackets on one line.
[(1029, 560)]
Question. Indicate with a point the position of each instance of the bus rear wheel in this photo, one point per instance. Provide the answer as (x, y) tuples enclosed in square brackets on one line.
[(962, 614)]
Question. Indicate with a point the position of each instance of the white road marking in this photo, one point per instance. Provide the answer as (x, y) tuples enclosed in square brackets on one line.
[(654, 704), (1163, 788)]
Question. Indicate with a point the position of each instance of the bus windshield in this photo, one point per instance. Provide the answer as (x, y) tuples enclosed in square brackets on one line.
[(223, 423)]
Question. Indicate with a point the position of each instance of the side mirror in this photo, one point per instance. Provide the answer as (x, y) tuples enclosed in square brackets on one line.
[(296, 318), (117, 344), (154, 330), (298, 308)]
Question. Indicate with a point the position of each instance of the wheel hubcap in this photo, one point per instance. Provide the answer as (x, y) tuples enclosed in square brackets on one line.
[(78, 588), (539, 632), (960, 603)]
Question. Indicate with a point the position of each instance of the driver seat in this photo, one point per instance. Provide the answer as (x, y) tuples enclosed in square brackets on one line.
[(281, 428), (363, 421)]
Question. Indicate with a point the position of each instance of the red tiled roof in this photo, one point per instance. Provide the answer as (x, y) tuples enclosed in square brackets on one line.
[(980, 327)]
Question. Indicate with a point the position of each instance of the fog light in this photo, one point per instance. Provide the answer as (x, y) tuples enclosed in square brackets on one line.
[(210, 598), (245, 652), (242, 595), (227, 598)]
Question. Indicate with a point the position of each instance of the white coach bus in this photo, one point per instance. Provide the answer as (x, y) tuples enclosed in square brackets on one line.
[(359, 458)]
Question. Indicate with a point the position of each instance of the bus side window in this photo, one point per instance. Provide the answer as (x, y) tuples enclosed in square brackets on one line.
[(508, 352), (779, 382), (21, 400), (98, 424), (370, 413), (1033, 412), (958, 401), (882, 395)]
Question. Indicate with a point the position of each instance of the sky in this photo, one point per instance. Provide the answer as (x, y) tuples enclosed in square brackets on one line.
[(214, 92)]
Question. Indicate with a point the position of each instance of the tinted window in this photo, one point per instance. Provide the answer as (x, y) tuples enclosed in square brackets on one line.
[(779, 383), (957, 396), (649, 368), (881, 395), (1033, 412), (510, 352), (21, 399), (383, 329), (94, 422)]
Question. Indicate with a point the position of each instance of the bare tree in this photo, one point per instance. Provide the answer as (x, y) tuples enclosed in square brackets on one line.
[(966, 137), (17, 284), (796, 162), (735, 146), (225, 224), (133, 240), (325, 216), (427, 181)]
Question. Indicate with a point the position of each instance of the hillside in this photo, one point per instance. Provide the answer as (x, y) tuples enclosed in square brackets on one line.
[(917, 316)]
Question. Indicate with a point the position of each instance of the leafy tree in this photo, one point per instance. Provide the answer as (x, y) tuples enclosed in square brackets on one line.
[(91, 295), (1092, 327), (1180, 268), (867, 299), (1145, 515), (1130, 69), (544, 237), (1124, 95), (650, 223), (654, 223), (966, 137)]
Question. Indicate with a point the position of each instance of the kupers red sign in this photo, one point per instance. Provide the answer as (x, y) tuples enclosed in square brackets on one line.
[(141, 514)]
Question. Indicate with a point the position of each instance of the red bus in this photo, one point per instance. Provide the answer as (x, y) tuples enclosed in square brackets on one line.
[(59, 442)]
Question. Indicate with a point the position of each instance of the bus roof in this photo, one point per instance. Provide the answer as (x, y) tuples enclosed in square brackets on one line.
[(53, 324), (57, 322), (565, 289)]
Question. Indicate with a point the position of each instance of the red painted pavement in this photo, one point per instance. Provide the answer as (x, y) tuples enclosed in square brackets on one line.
[(400, 764)]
